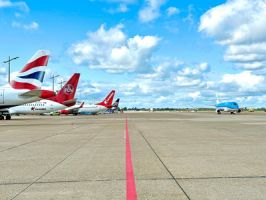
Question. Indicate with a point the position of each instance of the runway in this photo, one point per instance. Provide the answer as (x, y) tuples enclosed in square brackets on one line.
[(195, 156)]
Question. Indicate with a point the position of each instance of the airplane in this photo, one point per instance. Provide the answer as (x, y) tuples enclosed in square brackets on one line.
[(63, 99), (26, 87), (88, 109), (114, 107), (231, 107)]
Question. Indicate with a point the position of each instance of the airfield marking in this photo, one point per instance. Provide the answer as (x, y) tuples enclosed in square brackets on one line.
[(130, 186)]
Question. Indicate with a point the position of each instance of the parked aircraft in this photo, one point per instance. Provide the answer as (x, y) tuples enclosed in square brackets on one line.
[(63, 99), (88, 109), (73, 110), (114, 108), (115, 105), (26, 87)]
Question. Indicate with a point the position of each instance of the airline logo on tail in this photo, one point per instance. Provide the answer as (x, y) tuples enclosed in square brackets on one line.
[(67, 94), (31, 76), (69, 89)]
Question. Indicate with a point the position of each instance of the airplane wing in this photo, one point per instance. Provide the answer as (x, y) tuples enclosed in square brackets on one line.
[(73, 109)]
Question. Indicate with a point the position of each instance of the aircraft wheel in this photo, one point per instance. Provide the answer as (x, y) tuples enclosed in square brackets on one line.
[(8, 117), (2, 117), (232, 113), (218, 112)]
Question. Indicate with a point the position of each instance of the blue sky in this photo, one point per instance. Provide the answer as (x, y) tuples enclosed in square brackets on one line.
[(155, 53)]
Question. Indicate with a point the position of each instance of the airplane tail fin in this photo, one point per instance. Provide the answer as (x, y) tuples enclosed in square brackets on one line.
[(116, 103), (107, 102), (32, 75), (67, 93)]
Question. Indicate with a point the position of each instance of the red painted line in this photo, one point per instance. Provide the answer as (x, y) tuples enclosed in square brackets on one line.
[(131, 187)]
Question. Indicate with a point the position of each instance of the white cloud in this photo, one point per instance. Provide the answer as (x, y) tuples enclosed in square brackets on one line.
[(194, 95), (2, 71), (167, 79), (151, 10), (121, 8), (112, 51), (239, 25), (31, 26), (245, 80), (2, 75), (190, 16), (19, 4), (161, 99), (172, 11)]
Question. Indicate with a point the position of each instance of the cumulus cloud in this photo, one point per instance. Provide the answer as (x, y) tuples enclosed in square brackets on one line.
[(111, 50), (2, 71), (195, 76), (245, 80), (19, 4), (167, 79), (194, 95), (151, 10), (240, 26), (31, 26), (172, 11)]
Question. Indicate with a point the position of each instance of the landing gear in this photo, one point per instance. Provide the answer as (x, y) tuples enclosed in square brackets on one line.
[(232, 113), (218, 112), (6, 116)]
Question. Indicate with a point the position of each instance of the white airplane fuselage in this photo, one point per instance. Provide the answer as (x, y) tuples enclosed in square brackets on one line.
[(10, 97), (36, 108), (92, 109)]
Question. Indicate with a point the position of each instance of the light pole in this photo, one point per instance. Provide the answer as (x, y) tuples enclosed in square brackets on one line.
[(9, 61), (53, 78), (61, 83)]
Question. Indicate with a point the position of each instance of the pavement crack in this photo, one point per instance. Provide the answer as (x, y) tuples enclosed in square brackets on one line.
[(37, 140), (166, 168), (57, 164)]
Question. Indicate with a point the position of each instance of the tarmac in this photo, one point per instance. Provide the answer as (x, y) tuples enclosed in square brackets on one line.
[(186, 156)]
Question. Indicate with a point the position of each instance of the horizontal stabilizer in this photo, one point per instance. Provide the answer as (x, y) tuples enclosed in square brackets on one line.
[(31, 93), (70, 102)]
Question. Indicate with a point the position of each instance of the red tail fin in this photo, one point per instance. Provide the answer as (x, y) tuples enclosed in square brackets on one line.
[(107, 102), (67, 93)]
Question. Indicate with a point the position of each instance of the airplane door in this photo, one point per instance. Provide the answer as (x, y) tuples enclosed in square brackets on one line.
[(1, 96)]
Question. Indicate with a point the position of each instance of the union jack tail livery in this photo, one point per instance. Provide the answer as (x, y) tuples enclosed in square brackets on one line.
[(67, 93), (107, 102), (31, 76)]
